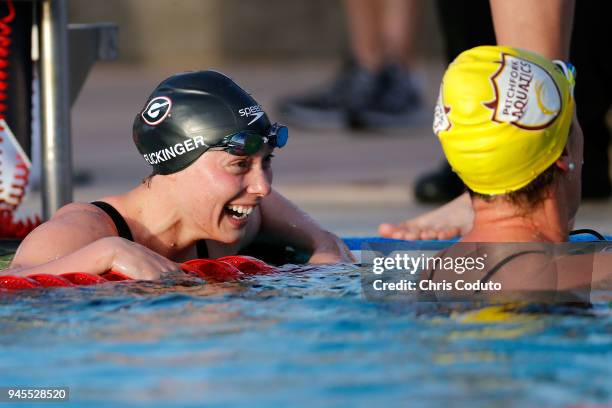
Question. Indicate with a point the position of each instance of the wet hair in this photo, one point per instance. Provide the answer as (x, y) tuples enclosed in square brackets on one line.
[(147, 180), (530, 195)]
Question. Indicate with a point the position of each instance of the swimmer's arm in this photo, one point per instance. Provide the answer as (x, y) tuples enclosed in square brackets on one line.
[(55, 260), (284, 223), (78, 241), (62, 245)]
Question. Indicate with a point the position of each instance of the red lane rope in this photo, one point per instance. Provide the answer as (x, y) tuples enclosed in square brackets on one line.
[(5, 42), (9, 227), (228, 268), (16, 229)]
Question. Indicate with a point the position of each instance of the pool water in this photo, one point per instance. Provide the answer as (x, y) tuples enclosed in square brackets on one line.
[(302, 338)]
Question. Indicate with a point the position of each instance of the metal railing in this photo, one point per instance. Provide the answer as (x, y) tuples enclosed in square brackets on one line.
[(66, 54)]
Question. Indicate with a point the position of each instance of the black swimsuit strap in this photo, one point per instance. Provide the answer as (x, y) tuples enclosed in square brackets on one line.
[(503, 263), (122, 228), (497, 266)]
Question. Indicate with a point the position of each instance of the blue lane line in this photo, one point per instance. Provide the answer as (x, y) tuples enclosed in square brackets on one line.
[(354, 243)]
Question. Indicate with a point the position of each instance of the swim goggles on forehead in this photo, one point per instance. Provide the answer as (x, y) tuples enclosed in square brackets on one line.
[(247, 143)]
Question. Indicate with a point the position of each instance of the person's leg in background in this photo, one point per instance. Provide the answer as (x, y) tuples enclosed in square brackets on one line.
[(589, 53), (398, 29), (363, 24), (397, 101), (382, 31), (544, 27), (465, 24), (551, 21), (462, 30), (355, 83), (374, 89)]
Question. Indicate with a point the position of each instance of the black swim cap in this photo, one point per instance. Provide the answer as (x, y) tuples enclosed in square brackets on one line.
[(190, 112)]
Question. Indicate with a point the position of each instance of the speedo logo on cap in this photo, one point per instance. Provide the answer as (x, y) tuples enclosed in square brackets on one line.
[(156, 110), (254, 111), (526, 94)]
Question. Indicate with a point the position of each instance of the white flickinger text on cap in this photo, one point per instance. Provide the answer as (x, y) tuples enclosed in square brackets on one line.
[(178, 149)]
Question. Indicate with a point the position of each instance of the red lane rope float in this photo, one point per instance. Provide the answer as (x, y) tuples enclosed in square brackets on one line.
[(5, 42), (48, 281), (228, 268), (247, 264), (213, 270), (16, 229), (9, 227)]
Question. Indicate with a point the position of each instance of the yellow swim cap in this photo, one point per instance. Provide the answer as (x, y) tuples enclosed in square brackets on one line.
[(503, 116)]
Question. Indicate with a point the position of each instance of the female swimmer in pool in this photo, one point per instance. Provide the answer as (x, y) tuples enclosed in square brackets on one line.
[(505, 119), (210, 145)]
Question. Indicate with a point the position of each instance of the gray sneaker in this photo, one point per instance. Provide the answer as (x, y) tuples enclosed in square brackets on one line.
[(396, 103), (351, 91)]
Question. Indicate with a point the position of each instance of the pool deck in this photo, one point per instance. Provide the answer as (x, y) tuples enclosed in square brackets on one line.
[(349, 181)]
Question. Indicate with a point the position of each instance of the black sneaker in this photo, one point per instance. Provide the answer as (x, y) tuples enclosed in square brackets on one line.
[(328, 108), (439, 186), (396, 104)]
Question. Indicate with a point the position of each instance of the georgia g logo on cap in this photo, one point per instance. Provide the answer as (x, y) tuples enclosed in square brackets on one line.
[(156, 110)]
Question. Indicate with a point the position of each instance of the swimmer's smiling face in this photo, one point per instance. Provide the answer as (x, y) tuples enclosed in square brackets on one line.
[(222, 192)]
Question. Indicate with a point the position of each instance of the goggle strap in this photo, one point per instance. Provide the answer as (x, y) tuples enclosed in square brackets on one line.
[(569, 71)]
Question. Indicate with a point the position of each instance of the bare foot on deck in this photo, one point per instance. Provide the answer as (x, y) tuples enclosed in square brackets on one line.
[(451, 220)]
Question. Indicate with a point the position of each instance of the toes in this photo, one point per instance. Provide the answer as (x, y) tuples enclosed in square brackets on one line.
[(398, 234), (449, 233), (429, 235), (386, 230), (409, 231), (401, 231), (407, 234)]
